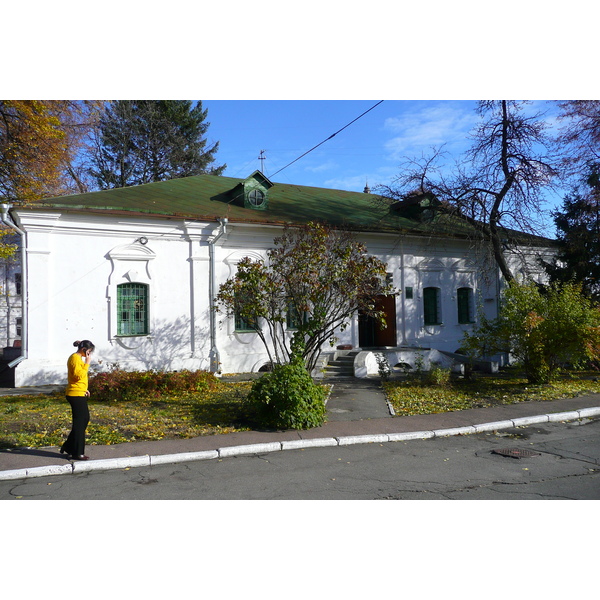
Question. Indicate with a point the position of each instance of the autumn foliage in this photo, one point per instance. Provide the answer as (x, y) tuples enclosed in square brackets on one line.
[(119, 385), (314, 280), (39, 140)]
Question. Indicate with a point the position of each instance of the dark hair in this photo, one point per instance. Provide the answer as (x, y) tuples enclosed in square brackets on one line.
[(84, 345)]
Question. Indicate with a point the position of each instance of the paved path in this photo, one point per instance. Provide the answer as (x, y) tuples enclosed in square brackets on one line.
[(357, 413)]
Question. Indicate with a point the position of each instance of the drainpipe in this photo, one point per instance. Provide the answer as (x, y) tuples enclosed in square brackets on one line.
[(402, 292), (7, 220), (214, 356)]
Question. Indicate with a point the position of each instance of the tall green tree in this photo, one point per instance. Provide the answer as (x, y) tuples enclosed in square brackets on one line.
[(578, 235), (142, 141)]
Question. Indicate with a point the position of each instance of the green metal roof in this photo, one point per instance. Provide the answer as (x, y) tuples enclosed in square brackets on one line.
[(208, 197)]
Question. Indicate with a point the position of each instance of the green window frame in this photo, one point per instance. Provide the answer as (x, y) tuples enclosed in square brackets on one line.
[(132, 309), (293, 318), (431, 306), (243, 325), (464, 298)]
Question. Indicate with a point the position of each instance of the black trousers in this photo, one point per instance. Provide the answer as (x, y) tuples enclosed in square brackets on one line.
[(75, 443)]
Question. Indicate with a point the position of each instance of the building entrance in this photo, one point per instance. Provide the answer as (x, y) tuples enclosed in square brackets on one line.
[(369, 333)]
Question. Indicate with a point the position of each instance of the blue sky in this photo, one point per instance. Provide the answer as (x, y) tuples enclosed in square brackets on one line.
[(427, 59), (370, 150)]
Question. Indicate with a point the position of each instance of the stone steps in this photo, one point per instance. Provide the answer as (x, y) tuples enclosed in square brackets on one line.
[(342, 366)]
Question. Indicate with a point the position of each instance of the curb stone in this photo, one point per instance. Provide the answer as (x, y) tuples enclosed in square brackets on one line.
[(530, 420), (313, 443), (468, 429), (589, 412), (497, 425), (362, 439), (249, 449), (125, 462), (564, 416), (166, 459), (410, 435)]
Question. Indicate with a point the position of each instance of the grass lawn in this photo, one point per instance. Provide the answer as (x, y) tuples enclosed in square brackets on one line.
[(411, 397), (45, 420), (38, 421)]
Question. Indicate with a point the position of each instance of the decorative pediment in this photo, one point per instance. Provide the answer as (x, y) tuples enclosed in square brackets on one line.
[(131, 252), (431, 264), (131, 262), (464, 265)]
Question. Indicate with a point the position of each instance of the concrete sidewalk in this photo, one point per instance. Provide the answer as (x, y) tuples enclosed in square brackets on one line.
[(357, 413)]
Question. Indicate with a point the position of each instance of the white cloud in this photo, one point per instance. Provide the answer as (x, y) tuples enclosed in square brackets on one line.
[(326, 166), (353, 183), (435, 124)]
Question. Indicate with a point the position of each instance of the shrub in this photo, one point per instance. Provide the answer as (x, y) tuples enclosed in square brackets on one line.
[(543, 328), (437, 376), (383, 366), (137, 385), (287, 398)]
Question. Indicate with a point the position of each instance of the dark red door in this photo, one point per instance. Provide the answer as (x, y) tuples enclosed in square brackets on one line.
[(369, 333)]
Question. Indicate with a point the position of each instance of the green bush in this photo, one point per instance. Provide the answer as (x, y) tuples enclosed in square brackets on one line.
[(437, 376), (544, 329), (137, 385), (287, 398)]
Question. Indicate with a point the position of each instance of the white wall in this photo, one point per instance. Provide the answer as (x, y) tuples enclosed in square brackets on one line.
[(76, 261), (10, 301)]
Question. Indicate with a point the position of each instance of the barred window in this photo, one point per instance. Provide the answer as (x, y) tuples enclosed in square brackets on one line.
[(132, 309)]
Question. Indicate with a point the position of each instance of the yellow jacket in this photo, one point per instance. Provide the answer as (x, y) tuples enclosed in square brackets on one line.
[(77, 375)]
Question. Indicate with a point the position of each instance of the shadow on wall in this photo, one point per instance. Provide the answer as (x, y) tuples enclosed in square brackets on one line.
[(169, 347), (49, 376)]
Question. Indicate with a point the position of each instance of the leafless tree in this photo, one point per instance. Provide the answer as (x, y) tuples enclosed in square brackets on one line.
[(579, 138), (496, 187)]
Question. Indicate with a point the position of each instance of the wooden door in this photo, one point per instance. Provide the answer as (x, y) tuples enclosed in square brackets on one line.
[(369, 333)]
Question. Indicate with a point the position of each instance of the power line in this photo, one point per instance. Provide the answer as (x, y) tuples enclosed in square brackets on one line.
[(326, 140)]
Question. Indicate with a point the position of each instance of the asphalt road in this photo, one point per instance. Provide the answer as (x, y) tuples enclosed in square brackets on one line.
[(557, 461)]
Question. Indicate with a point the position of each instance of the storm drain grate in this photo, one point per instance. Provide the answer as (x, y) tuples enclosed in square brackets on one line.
[(516, 452)]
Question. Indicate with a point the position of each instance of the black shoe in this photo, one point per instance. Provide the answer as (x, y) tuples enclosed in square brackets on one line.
[(63, 451), (81, 457)]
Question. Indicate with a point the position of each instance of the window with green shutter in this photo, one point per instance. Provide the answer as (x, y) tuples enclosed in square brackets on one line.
[(294, 318), (243, 324), (465, 305), (132, 309), (431, 306)]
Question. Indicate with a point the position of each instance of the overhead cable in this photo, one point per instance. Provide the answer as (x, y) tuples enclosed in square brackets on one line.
[(326, 140)]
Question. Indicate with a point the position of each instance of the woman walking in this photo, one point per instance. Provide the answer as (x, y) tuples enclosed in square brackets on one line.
[(77, 394)]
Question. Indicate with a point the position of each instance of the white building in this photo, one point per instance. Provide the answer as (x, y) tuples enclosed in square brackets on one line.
[(135, 270)]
